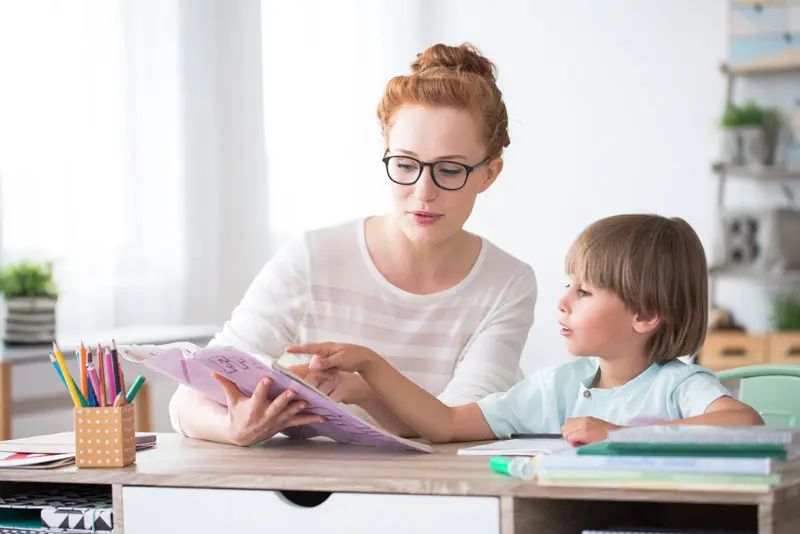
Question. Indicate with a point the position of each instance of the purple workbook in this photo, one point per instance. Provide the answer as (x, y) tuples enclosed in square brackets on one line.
[(192, 366)]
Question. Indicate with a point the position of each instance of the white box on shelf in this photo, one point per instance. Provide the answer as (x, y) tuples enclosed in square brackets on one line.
[(760, 241)]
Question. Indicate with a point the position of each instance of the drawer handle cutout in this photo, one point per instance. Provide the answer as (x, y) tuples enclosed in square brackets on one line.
[(794, 351), (734, 351), (305, 499)]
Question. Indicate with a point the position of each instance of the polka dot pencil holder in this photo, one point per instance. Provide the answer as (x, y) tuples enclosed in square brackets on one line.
[(105, 437)]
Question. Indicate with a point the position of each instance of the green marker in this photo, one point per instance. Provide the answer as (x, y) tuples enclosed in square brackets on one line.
[(134, 389), (522, 467)]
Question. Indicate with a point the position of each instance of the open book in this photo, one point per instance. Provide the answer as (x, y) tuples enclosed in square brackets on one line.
[(51, 450), (190, 365)]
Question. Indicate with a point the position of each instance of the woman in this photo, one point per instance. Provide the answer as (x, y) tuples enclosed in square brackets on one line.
[(447, 308)]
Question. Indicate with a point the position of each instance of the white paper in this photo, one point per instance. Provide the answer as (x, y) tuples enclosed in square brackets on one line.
[(518, 447)]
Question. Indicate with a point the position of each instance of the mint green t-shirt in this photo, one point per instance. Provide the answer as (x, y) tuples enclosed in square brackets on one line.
[(543, 401)]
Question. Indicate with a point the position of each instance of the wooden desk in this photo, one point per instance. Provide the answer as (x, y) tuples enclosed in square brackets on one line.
[(22, 355), (185, 485)]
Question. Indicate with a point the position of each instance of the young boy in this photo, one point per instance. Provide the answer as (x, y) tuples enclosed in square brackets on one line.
[(636, 301)]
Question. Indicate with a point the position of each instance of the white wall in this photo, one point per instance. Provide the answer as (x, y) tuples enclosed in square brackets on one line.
[(612, 108)]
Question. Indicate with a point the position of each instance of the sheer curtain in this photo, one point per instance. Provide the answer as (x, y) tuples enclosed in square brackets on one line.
[(132, 154), (325, 67), (91, 155), (132, 142)]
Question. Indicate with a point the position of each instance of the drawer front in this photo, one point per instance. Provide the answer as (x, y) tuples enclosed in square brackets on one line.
[(148, 510), (784, 348), (724, 350)]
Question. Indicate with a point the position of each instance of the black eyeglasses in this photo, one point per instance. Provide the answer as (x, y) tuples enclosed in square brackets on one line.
[(447, 175)]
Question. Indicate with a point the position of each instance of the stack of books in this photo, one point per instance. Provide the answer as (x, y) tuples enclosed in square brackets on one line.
[(700, 458)]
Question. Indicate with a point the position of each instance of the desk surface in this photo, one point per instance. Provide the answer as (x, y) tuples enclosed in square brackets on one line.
[(285, 464)]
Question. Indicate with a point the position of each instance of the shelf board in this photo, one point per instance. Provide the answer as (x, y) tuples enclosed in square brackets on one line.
[(762, 69), (765, 173), (750, 274)]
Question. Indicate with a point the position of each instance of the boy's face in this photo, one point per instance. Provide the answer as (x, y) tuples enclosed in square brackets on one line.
[(595, 322)]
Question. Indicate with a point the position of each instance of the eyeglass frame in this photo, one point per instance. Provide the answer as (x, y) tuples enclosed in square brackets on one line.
[(423, 164)]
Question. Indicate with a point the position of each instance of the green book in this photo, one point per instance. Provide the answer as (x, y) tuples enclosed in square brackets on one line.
[(725, 450), (20, 518), (655, 476)]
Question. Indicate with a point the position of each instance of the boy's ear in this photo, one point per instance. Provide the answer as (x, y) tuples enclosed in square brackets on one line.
[(645, 325)]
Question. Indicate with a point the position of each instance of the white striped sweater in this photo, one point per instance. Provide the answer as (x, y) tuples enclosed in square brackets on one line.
[(460, 344)]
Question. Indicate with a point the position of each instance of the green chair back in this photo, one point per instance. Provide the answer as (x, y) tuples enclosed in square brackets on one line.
[(772, 390)]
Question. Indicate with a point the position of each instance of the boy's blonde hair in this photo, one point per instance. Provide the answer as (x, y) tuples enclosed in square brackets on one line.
[(657, 267)]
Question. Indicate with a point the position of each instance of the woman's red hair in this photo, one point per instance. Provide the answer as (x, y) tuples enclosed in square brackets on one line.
[(458, 77)]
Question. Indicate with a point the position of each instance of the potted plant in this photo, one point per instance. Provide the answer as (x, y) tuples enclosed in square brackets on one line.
[(785, 339), (31, 297), (751, 134)]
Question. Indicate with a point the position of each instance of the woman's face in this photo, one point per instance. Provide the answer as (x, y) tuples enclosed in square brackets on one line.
[(423, 211)]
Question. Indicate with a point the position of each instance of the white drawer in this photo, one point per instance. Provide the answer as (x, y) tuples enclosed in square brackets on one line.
[(148, 510)]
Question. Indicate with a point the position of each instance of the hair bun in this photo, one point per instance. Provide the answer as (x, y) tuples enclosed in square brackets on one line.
[(463, 58)]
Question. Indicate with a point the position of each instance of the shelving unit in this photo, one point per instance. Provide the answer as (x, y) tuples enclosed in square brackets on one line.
[(765, 69), (766, 175), (764, 49), (763, 174), (789, 277)]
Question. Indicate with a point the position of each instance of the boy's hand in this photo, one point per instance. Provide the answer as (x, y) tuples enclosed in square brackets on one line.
[(335, 356), (327, 382), (582, 430), (344, 387)]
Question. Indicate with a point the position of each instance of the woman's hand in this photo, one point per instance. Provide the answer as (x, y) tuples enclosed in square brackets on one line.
[(336, 356), (256, 418)]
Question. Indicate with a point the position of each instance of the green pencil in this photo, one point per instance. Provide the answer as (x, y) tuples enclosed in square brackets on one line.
[(134, 389)]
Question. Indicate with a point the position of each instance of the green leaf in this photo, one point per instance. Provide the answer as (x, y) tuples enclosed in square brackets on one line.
[(786, 313), (28, 279), (750, 114)]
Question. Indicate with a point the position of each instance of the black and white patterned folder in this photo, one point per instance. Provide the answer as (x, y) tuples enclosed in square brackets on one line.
[(73, 509)]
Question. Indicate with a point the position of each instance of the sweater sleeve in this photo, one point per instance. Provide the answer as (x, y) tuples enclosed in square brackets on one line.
[(490, 362), (268, 317)]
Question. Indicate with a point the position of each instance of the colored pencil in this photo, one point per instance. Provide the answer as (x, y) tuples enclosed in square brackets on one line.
[(58, 369), (134, 389), (104, 400), (73, 391), (94, 380), (115, 367), (82, 363), (83, 384), (115, 358), (112, 391), (61, 376), (91, 398)]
